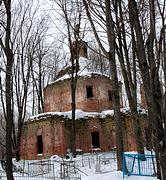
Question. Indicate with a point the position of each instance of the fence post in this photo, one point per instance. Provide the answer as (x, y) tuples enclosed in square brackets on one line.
[(82, 161), (28, 168), (139, 167), (123, 166), (98, 164), (89, 162)]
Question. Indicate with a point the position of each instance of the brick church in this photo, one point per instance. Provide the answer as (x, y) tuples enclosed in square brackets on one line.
[(49, 133)]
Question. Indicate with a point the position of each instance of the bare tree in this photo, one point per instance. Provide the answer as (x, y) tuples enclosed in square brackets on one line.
[(23, 47), (2, 136), (6, 46), (104, 17), (161, 47), (71, 13), (150, 76), (40, 63), (27, 33), (129, 70), (99, 62)]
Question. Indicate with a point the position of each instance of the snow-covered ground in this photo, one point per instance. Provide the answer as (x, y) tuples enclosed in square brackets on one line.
[(92, 166), (115, 175)]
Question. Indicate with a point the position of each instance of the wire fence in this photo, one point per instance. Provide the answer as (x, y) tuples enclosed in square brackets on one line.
[(105, 158), (67, 169), (30, 170), (139, 164)]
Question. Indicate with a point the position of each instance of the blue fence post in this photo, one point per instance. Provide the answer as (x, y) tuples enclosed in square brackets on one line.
[(133, 164), (139, 167), (123, 165)]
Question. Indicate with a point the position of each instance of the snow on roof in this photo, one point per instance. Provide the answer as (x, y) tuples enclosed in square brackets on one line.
[(139, 110), (79, 114), (84, 70)]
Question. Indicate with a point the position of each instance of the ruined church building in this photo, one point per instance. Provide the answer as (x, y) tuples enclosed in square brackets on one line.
[(49, 133)]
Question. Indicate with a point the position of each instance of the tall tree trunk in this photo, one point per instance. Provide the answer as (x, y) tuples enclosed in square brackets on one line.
[(113, 71), (130, 86), (74, 70), (9, 117), (115, 84), (152, 88), (157, 95), (17, 150), (40, 95), (117, 114), (73, 105)]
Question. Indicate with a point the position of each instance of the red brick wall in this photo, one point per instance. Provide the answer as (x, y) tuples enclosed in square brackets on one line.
[(57, 97), (52, 133), (107, 134), (56, 133)]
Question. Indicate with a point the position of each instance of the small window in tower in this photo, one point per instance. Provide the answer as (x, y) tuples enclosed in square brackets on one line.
[(39, 144), (110, 95), (89, 92)]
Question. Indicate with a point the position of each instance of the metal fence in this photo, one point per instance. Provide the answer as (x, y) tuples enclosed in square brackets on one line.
[(62, 169), (139, 164), (89, 160), (40, 170)]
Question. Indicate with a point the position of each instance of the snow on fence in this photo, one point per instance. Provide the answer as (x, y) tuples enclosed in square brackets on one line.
[(40, 167), (139, 165), (90, 159), (32, 170), (61, 168)]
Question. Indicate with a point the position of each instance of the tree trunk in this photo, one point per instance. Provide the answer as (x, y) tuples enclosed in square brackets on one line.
[(73, 104), (162, 160), (9, 117), (40, 94), (117, 114), (17, 150), (151, 83), (75, 68), (115, 84), (128, 81), (9, 114)]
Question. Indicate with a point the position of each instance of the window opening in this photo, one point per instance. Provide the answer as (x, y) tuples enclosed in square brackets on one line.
[(110, 95), (89, 92), (39, 144), (95, 140)]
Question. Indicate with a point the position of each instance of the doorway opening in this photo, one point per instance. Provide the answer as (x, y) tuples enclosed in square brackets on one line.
[(95, 140)]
